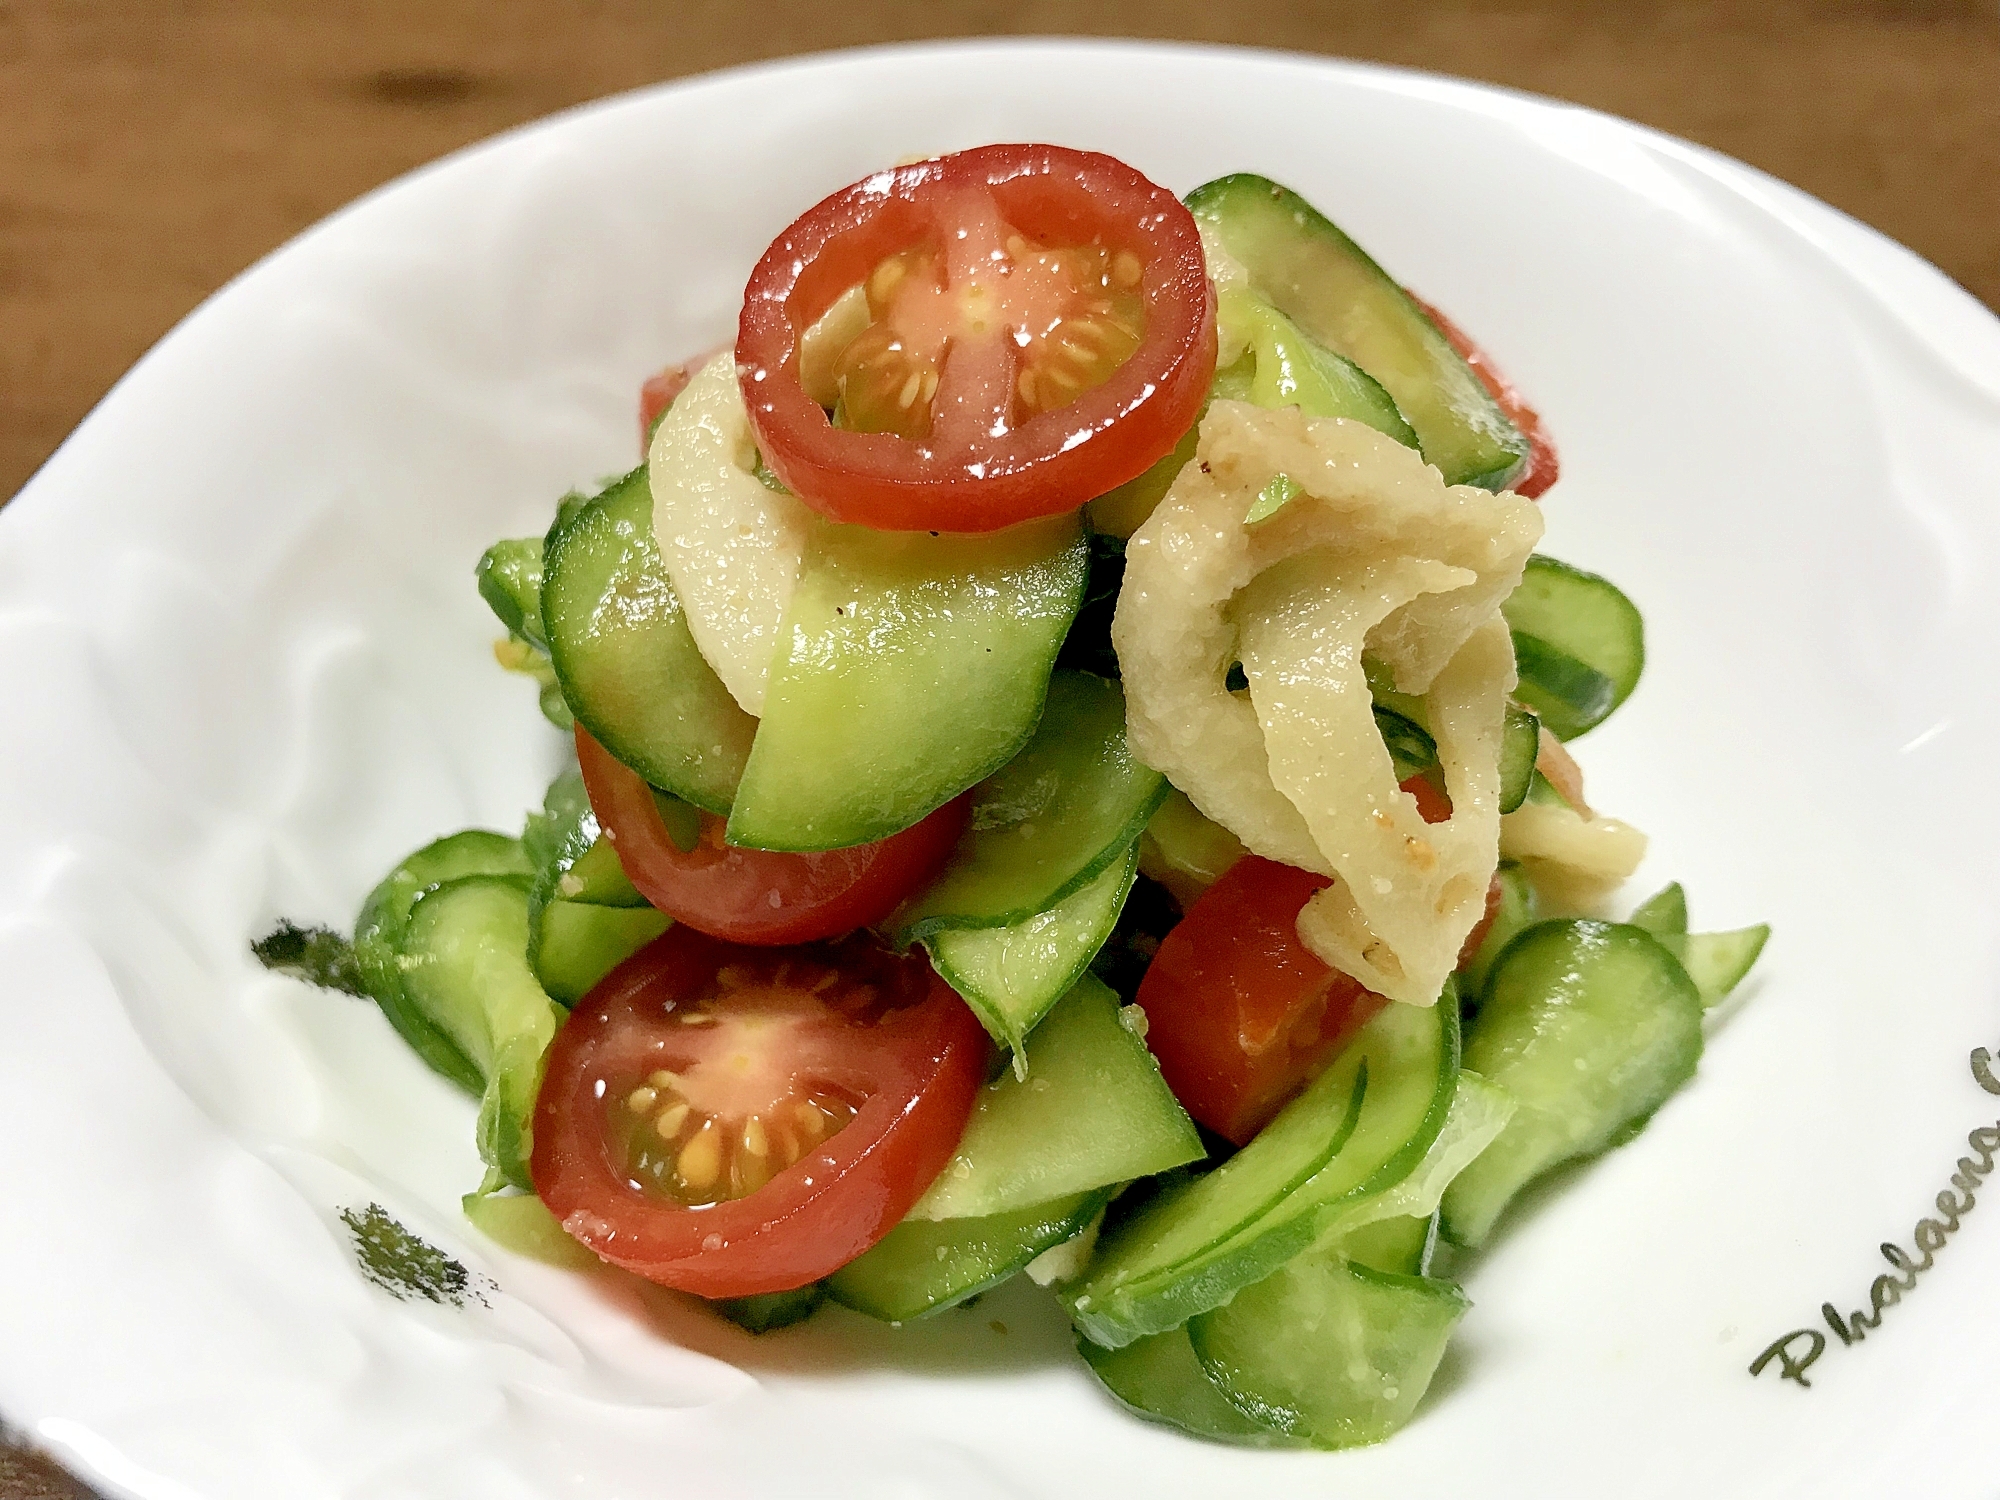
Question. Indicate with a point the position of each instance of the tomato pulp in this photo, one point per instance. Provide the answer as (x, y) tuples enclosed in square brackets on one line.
[(733, 1121), (1039, 329)]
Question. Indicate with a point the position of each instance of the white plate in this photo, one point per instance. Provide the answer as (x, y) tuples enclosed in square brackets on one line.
[(244, 669)]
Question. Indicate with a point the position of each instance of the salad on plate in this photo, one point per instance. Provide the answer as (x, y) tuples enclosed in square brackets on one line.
[(1072, 778)]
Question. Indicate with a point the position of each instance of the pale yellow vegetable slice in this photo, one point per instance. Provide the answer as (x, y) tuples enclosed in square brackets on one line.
[(731, 544)]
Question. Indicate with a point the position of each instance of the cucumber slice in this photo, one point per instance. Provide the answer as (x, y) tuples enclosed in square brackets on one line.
[(1185, 851), (1282, 365), (575, 944), (1092, 1111), (1479, 1111), (1579, 645), (1402, 721), (522, 1223), (1360, 1128), (1012, 975), (584, 917), (1269, 238), (1411, 747), (772, 1310), (1401, 1244), (464, 970), (1158, 1378), (913, 667), (628, 666), (922, 1267), (1717, 961), (1520, 744), (1590, 1025), (1331, 1352), (385, 916), (1516, 912), (1047, 823), (510, 581), (1664, 914), (571, 858)]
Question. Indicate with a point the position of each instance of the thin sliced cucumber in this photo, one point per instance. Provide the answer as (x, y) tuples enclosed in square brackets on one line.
[(1159, 1378), (628, 665), (464, 969), (385, 916), (1271, 239), (1717, 961), (1664, 913), (1183, 850), (1401, 1244), (1358, 1129), (1047, 823), (772, 1310), (1520, 744), (1283, 365), (913, 666), (510, 581), (1411, 748), (1405, 729), (1012, 975), (922, 1267), (572, 859), (1328, 1351), (1092, 1112), (522, 1223), (1516, 912), (1480, 1110), (1579, 645), (576, 944), (1590, 1026), (584, 916)]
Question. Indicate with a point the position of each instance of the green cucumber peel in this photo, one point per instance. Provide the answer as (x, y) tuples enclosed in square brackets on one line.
[(1357, 1130), (1048, 823), (384, 919), (1011, 976), (913, 665), (1091, 1111), (622, 651)]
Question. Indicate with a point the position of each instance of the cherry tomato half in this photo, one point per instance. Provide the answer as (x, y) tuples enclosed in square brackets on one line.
[(984, 271), (1239, 1012), (733, 1121), (758, 895), (1542, 468)]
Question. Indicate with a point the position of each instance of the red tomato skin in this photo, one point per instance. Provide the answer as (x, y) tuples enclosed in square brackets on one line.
[(727, 892), (1542, 468), (1239, 1012), (1056, 460), (922, 1067)]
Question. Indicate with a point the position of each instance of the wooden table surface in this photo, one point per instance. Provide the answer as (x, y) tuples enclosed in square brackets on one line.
[(150, 149)]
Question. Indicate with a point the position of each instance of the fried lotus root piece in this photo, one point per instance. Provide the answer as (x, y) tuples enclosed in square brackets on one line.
[(1372, 553)]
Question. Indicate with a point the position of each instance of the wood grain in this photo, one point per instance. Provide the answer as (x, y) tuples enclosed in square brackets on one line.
[(150, 149)]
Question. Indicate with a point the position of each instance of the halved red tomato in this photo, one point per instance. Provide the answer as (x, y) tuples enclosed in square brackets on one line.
[(733, 1121), (1542, 468), (758, 895), (1039, 329), (1239, 1012)]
